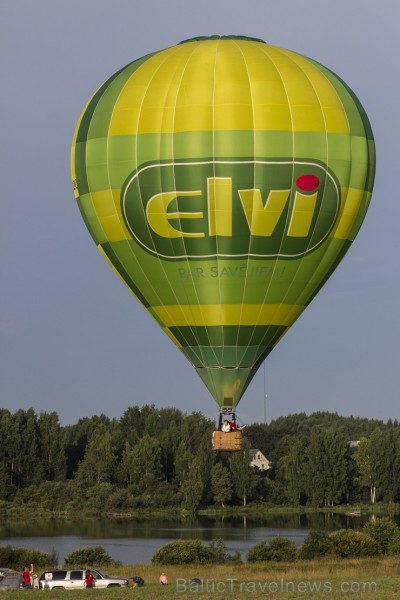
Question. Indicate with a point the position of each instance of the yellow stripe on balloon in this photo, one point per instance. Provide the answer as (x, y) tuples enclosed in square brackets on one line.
[(108, 211), (212, 315), (306, 101), (351, 200), (172, 92)]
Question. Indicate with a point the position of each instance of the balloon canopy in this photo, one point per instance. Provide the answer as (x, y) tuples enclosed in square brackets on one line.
[(224, 179)]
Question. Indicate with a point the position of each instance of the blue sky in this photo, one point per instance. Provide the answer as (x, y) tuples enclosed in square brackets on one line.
[(72, 338)]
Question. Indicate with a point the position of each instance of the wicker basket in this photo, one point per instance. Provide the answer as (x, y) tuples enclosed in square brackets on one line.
[(227, 442)]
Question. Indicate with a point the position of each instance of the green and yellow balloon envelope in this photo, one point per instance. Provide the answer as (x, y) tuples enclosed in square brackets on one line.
[(224, 180)]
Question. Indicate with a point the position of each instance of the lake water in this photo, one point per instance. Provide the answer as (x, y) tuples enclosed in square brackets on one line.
[(134, 541)]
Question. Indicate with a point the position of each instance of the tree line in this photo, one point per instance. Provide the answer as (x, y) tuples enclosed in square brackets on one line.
[(162, 458)]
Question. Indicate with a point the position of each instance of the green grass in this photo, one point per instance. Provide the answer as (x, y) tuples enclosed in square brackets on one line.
[(319, 580)]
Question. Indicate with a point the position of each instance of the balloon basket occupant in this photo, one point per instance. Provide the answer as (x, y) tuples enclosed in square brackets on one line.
[(228, 436)]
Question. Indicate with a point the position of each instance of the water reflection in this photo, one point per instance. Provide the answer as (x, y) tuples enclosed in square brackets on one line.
[(136, 541)]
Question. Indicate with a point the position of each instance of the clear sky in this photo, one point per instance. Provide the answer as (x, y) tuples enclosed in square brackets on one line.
[(72, 338)]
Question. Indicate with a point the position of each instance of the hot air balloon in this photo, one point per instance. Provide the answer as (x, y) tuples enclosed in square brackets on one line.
[(224, 179)]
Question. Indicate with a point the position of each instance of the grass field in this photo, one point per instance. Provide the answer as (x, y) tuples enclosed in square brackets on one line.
[(319, 580)]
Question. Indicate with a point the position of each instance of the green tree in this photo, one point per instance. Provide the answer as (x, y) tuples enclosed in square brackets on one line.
[(169, 441), (27, 466), (77, 437), (149, 420), (327, 463), (192, 487), (385, 464), (126, 466), (98, 465), (141, 464), (51, 447), (221, 484), (206, 457), (97, 497), (182, 461), (336, 448), (193, 429), (9, 443), (244, 477), (129, 425), (363, 459), (317, 470), (292, 470)]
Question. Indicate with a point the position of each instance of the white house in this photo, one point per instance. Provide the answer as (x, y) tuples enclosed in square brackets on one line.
[(354, 444), (259, 460)]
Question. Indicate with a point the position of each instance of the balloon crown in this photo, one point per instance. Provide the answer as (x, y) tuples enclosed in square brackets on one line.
[(203, 38)]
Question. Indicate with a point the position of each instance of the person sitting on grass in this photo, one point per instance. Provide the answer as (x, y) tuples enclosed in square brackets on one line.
[(137, 581)]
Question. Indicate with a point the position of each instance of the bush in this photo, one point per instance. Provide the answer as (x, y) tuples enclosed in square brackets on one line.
[(219, 555), (317, 543), (280, 549), (382, 530), (353, 544), (258, 553), (18, 558), (182, 553), (393, 548), (89, 556)]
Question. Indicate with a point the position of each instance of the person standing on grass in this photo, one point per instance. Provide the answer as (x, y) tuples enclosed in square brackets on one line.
[(26, 577), (89, 579)]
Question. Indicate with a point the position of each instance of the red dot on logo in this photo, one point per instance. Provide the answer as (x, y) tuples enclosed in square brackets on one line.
[(307, 183)]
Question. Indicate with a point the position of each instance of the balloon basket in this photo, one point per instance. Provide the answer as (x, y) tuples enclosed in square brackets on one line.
[(227, 441)]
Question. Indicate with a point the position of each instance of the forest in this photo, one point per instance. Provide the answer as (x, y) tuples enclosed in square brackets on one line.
[(162, 459)]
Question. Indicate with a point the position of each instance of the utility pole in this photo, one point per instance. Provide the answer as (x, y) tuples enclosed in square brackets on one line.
[(265, 397)]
